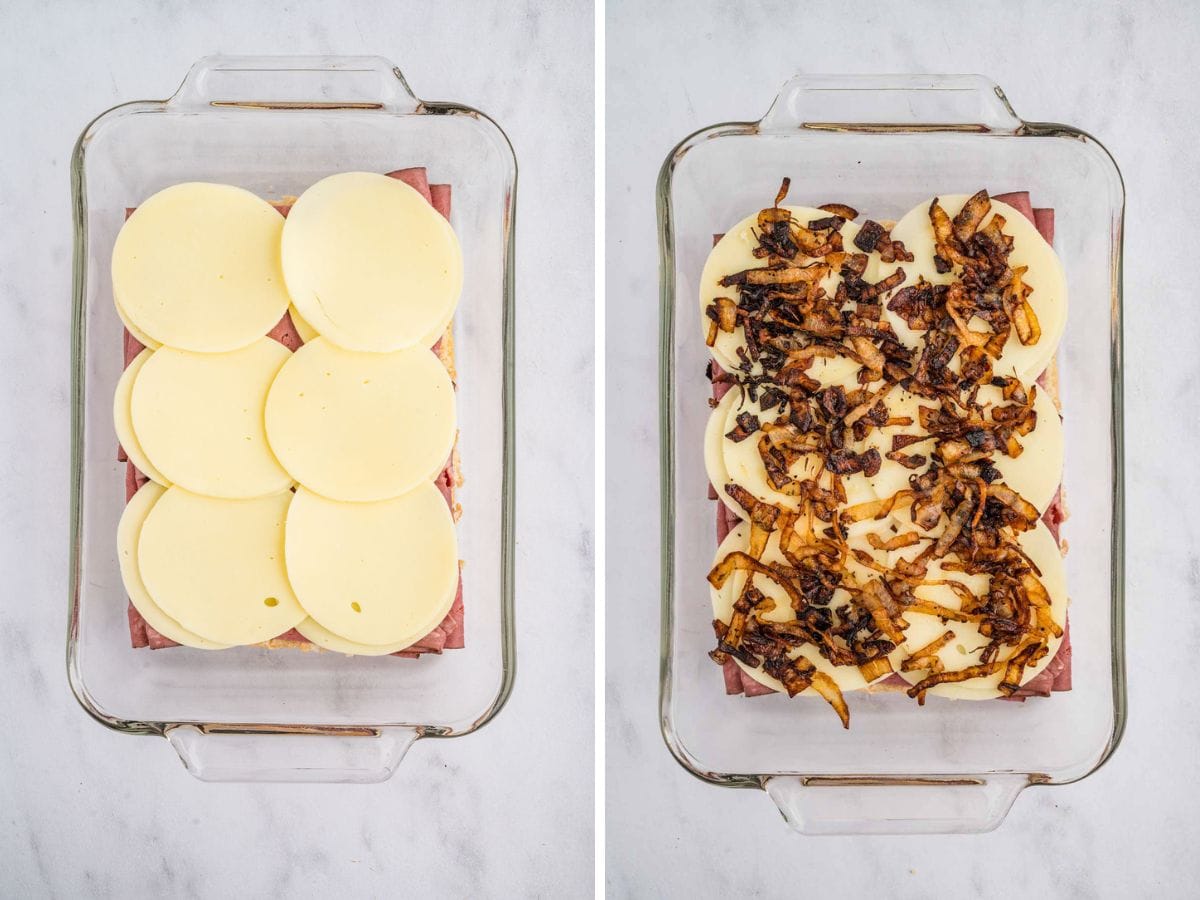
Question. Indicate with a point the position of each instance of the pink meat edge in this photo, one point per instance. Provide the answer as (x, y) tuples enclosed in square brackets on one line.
[(285, 333), (158, 641), (444, 484), (415, 177), (440, 198), (751, 688), (456, 639), (1018, 200), (433, 642), (131, 481), (722, 524), (132, 347), (733, 677), (137, 628), (1043, 218)]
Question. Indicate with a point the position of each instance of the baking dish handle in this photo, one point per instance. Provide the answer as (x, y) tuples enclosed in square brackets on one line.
[(820, 805), (296, 82), (900, 103), (348, 756)]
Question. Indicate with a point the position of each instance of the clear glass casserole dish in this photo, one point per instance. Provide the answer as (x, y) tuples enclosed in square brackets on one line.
[(275, 125), (882, 144)]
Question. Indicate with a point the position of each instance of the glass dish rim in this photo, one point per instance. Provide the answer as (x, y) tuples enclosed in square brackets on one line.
[(75, 677), (667, 299)]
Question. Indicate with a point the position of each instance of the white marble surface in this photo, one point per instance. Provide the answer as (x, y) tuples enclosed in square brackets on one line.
[(505, 812), (1129, 830)]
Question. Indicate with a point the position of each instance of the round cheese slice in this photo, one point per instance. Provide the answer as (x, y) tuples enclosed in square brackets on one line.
[(144, 339), (217, 566), (317, 634), (961, 651), (714, 449), (199, 418), (1045, 275), (379, 573), (743, 462), (370, 264), (848, 678), (123, 419), (1037, 473), (361, 426), (735, 253), (306, 331), (128, 532), (197, 267)]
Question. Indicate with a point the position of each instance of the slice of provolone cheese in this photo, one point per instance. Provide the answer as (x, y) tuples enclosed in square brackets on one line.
[(714, 449), (123, 419), (217, 566), (1037, 472), (848, 678), (370, 264), (743, 462), (199, 418), (361, 426), (128, 532), (735, 253), (197, 267), (321, 636), (382, 573), (144, 339), (1044, 275), (961, 651)]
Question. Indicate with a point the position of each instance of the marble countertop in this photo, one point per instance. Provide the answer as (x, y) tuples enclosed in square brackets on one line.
[(1128, 830), (504, 812)]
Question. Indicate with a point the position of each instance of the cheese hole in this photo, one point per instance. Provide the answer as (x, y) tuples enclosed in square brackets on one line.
[(270, 601), (354, 606)]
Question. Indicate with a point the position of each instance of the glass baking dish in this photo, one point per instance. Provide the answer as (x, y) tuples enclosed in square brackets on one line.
[(274, 125), (882, 144)]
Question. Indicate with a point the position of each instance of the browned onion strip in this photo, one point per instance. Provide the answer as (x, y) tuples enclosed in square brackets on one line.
[(878, 509), (782, 275), (849, 213), (927, 657), (1025, 656), (899, 542), (762, 515), (726, 313), (875, 669), (969, 218), (827, 688), (943, 235), (737, 560), (980, 671), (929, 608), (884, 610)]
